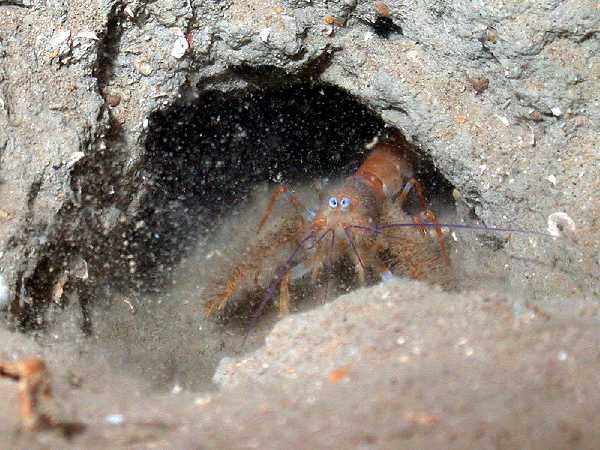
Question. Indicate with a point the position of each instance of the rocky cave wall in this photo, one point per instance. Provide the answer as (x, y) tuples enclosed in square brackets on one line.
[(501, 96)]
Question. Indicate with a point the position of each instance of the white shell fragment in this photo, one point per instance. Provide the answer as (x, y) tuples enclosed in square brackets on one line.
[(114, 419), (59, 38), (180, 45), (129, 11), (4, 293), (562, 218), (87, 35), (264, 34), (556, 111), (143, 67), (59, 45), (551, 179), (79, 268), (503, 119)]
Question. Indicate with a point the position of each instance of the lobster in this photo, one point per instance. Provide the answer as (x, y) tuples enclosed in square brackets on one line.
[(362, 219)]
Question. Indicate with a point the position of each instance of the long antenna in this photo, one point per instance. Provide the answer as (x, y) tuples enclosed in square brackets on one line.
[(460, 226)]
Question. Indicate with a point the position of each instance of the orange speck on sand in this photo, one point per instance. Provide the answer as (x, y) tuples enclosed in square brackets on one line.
[(337, 375), (329, 20), (460, 119), (422, 419)]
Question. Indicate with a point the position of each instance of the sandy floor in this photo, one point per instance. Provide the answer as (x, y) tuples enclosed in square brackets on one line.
[(409, 366)]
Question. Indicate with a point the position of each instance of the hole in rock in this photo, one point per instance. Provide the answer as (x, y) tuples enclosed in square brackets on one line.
[(210, 167), (205, 180)]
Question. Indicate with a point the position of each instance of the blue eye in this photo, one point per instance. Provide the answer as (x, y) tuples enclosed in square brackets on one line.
[(345, 202), (332, 202)]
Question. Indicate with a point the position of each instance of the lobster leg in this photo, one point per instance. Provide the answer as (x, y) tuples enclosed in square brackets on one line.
[(217, 303), (277, 192), (410, 253), (429, 216), (32, 376), (284, 295), (318, 262), (378, 263), (426, 215), (251, 262)]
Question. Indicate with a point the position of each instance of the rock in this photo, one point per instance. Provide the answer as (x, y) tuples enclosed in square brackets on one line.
[(75, 176)]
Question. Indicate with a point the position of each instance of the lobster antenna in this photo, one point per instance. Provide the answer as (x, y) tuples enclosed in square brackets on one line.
[(458, 226)]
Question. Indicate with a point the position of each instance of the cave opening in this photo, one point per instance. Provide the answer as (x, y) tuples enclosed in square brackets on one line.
[(203, 159), (142, 299)]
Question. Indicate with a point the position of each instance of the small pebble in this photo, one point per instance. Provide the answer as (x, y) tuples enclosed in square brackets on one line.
[(115, 419), (264, 34), (382, 9), (201, 401), (560, 217), (143, 67), (480, 84), (536, 116), (87, 35), (490, 36), (113, 99), (129, 11), (59, 38), (556, 111)]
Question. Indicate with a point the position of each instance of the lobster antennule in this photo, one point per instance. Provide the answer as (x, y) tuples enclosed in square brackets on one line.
[(353, 246), (281, 271)]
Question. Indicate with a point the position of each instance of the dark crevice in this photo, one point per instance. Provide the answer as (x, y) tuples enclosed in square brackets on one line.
[(587, 36), (383, 27), (94, 180), (33, 193), (108, 48)]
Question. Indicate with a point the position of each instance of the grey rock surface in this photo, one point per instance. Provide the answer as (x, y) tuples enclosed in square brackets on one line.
[(502, 96)]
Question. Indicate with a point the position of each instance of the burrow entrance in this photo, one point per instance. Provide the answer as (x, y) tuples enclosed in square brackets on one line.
[(204, 159), (202, 163)]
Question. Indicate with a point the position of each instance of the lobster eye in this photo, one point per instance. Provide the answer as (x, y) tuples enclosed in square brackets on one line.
[(332, 202), (345, 202)]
